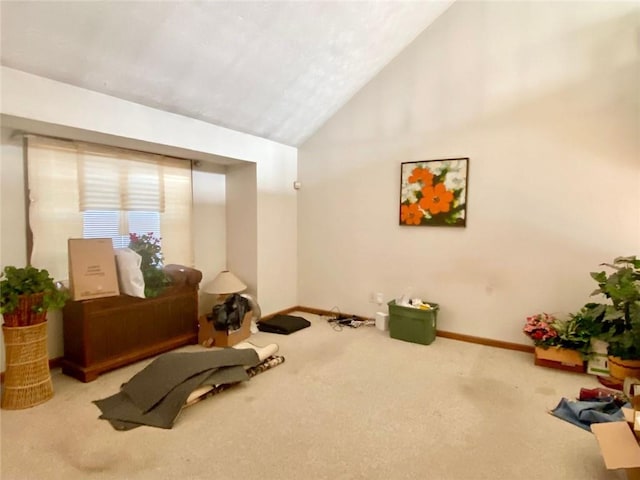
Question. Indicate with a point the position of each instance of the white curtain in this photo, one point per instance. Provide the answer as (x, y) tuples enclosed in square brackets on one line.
[(176, 219), (67, 178), (54, 215)]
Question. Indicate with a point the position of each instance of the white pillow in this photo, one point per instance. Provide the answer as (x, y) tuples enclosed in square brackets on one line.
[(130, 276)]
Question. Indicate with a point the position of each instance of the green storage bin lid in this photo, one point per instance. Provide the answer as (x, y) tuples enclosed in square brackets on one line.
[(392, 304)]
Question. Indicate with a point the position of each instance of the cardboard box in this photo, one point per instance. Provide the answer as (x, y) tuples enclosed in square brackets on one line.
[(633, 392), (619, 447), (210, 337), (562, 358), (629, 415), (92, 268), (598, 363)]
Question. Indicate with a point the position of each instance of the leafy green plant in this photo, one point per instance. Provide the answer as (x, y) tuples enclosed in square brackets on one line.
[(618, 321), (575, 333), (27, 281), (149, 248)]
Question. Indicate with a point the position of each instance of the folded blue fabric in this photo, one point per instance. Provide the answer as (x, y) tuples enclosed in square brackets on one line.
[(584, 413)]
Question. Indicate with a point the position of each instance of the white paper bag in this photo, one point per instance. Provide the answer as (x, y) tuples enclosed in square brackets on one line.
[(130, 276)]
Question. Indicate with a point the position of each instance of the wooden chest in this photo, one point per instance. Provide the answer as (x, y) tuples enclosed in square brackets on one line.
[(106, 333)]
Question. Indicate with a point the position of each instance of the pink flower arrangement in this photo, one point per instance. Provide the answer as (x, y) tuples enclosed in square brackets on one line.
[(540, 328)]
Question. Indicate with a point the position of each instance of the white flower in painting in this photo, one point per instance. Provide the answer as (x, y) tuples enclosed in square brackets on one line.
[(409, 192), (451, 166), (455, 177), (455, 181), (407, 168), (437, 167)]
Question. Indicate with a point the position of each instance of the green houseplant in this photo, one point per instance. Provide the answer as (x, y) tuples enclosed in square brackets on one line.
[(559, 342), (26, 294), (149, 248), (618, 321), (574, 333)]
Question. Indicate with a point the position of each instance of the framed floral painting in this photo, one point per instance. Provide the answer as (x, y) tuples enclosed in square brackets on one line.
[(434, 192)]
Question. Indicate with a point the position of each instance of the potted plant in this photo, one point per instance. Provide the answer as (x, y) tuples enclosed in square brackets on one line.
[(618, 320), (558, 343), (26, 294), (149, 248), (575, 333)]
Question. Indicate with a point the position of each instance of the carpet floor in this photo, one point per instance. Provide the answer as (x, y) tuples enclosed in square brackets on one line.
[(349, 404)]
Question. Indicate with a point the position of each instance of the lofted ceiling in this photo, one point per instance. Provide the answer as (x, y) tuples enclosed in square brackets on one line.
[(277, 70)]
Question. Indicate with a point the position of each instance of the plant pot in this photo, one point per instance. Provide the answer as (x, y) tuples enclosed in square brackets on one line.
[(560, 358), (621, 369), (24, 315), (27, 379)]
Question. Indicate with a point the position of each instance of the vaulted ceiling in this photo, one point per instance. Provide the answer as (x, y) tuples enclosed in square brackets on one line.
[(277, 70)]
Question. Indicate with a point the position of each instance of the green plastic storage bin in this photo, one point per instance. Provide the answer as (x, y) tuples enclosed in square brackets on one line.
[(412, 324)]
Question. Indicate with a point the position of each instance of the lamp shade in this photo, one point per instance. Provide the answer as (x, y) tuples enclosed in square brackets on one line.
[(225, 283)]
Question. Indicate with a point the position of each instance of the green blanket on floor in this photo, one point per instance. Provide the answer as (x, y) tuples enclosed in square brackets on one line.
[(156, 394)]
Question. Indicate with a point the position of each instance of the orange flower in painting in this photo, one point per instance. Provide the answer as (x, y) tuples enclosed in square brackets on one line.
[(436, 199), (410, 214), (421, 175)]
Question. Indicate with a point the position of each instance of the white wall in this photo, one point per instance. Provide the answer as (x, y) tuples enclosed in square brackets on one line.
[(242, 234), (543, 97), (266, 219), (36, 98), (48, 107), (277, 219), (209, 225)]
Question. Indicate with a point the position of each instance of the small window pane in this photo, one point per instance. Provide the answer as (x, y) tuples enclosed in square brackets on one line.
[(101, 224), (106, 224)]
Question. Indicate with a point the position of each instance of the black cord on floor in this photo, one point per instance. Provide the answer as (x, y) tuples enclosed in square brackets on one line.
[(340, 321)]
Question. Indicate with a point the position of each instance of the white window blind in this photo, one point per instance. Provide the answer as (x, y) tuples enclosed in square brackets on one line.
[(54, 216), (109, 224), (83, 190), (115, 180)]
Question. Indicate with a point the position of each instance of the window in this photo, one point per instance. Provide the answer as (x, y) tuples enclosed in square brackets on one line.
[(107, 224), (80, 190)]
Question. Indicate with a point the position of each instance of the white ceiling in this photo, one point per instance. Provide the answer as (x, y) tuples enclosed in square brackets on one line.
[(277, 70)]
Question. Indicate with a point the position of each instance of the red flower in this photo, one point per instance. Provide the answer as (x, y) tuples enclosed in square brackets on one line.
[(540, 328), (436, 199), (410, 214), (421, 175)]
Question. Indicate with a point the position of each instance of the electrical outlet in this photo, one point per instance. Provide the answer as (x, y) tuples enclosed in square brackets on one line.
[(379, 298)]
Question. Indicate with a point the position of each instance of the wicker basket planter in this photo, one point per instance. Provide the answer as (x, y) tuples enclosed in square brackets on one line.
[(620, 369), (25, 315), (27, 379)]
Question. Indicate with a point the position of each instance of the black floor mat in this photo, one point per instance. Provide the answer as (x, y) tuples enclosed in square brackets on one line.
[(283, 324)]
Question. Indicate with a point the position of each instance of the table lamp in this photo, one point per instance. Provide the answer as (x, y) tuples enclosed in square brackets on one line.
[(224, 284)]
